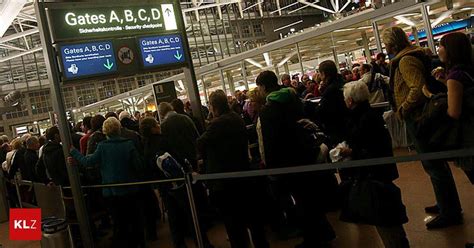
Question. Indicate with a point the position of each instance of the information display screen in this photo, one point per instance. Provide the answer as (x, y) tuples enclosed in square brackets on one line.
[(161, 50), (87, 59)]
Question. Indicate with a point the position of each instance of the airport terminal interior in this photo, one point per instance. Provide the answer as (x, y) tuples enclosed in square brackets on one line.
[(127, 65)]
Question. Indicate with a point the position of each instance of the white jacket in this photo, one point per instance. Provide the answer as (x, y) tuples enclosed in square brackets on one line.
[(377, 96)]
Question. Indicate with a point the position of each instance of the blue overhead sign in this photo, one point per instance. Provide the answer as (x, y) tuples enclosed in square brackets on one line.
[(87, 59), (161, 50)]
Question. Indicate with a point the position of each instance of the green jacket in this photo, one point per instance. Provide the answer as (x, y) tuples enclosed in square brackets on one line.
[(119, 162)]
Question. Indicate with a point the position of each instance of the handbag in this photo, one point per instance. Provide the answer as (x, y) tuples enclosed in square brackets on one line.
[(436, 127), (372, 202)]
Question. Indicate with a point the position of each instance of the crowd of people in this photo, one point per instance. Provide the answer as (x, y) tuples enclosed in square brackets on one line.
[(289, 130)]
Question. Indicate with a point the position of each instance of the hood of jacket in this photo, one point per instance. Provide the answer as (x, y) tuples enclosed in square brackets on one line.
[(284, 95), (411, 50), (51, 147)]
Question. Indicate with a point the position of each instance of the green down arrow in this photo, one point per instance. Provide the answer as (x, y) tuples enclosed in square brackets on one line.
[(108, 65), (178, 56)]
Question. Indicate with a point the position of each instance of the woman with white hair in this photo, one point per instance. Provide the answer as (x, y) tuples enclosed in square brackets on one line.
[(119, 162), (370, 197)]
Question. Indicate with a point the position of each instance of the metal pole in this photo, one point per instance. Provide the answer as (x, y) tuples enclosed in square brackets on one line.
[(188, 71), (365, 43), (414, 31), (221, 73), (188, 182), (429, 31), (299, 58), (230, 79), (375, 27), (244, 75), (17, 187), (58, 106), (336, 60)]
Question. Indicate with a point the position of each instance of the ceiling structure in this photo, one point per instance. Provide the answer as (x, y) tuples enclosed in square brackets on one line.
[(20, 46)]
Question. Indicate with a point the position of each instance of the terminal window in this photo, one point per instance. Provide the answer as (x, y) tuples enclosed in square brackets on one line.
[(68, 95), (126, 84), (144, 80), (107, 89), (86, 94), (40, 102), (19, 113)]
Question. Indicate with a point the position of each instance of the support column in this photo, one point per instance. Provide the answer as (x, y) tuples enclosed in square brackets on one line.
[(336, 60), (277, 71), (414, 31), (365, 43), (299, 58), (221, 73), (244, 75), (204, 88), (287, 68), (378, 42), (230, 81), (429, 31)]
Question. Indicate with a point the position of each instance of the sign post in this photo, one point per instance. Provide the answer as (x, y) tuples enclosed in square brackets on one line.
[(58, 105), (108, 39)]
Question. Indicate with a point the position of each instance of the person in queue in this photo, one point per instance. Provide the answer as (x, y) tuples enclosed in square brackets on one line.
[(224, 148), (285, 80), (127, 121), (127, 133), (379, 65), (179, 139), (87, 130), (407, 78), (279, 125), (119, 162), (368, 138), (30, 159), (51, 167), (369, 76), (178, 107), (454, 52), (332, 101)]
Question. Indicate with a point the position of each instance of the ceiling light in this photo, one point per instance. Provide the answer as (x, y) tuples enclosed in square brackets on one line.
[(344, 29), (405, 21)]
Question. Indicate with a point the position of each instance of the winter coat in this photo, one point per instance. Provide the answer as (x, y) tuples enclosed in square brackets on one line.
[(119, 162), (331, 112), (407, 78), (28, 168), (51, 166), (179, 137), (368, 138), (224, 148)]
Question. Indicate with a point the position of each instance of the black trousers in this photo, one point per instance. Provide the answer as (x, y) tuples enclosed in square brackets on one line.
[(235, 207), (127, 215), (152, 211)]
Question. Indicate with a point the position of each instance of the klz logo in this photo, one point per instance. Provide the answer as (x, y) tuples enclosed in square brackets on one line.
[(25, 224)]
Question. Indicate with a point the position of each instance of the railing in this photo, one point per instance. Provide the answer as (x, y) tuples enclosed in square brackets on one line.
[(189, 178)]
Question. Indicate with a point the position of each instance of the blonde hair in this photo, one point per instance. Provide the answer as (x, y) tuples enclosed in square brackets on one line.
[(357, 91), (257, 96), (111, 127), (395, 38), (16, 144), (164, 108)]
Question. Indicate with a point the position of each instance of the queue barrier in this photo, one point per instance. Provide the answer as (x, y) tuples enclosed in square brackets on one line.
[(190, 178)]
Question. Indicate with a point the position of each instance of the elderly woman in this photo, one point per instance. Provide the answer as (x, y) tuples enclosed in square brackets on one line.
[(379, 203), (119, 163)]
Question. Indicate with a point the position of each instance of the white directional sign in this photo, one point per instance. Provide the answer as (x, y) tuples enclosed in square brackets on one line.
[(169, 17)]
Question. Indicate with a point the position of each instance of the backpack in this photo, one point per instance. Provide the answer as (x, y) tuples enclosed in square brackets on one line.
[(171, 168), (376, 83)]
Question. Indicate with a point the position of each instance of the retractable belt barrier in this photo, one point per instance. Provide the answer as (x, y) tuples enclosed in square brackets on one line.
[(297, 169)]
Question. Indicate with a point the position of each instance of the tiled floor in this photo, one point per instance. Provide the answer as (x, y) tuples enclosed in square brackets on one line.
[(417, 193)]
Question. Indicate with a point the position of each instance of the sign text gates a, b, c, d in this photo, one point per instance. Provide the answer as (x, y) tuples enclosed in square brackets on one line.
[(73, 21)]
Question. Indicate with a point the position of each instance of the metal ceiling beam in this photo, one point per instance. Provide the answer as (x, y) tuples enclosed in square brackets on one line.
[(317, 6), (33, 50), (325, 28), (19, 35)]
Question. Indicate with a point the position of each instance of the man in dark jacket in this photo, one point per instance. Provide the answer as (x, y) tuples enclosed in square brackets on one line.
[(283, 146), (178, 106), (30, 159), (51, 166), (224, 148)]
